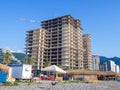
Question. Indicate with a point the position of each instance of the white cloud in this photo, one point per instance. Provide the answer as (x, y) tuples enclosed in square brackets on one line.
[(17, 51), (14, 50)]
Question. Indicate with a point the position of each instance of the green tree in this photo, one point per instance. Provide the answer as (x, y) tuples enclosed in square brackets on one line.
[(74, 68), (59, 65), (47, 63), (7, 58), (81, 68), (67, 67), (30, 61)]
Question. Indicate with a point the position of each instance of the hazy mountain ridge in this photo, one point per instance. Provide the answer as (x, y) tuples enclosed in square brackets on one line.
[(115, 59), (19, 56)]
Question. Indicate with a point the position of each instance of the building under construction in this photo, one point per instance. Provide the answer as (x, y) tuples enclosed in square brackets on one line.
[(59, 41), (87, 56)]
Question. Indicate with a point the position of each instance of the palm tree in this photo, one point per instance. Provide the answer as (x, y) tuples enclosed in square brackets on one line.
[(7, 58), (30, 61), (47, 63)]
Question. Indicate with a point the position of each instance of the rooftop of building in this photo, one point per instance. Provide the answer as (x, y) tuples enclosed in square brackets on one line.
[(91, 72), (68, 15)]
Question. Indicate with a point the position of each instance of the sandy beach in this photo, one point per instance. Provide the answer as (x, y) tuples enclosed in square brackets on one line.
[(103, 85)]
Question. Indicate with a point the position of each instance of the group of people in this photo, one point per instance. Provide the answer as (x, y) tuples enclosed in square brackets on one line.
[(47, 77)]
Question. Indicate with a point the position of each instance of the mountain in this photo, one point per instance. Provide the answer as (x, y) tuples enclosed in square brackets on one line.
[(20, 56), (115, 59)]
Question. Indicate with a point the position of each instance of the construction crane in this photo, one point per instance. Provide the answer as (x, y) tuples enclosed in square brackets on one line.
[(27, 20)]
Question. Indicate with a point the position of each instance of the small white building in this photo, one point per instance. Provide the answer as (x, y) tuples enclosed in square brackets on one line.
[(111, 65), (23, 71), (117, 69)]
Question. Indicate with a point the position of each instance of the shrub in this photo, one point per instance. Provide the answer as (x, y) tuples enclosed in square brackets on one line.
[(8, 83), (29, 83), (15, 83), (11, 84), (74, 81)]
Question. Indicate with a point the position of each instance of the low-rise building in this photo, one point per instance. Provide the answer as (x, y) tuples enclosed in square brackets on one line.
[(23, 71), (117, 68), (109, 66)]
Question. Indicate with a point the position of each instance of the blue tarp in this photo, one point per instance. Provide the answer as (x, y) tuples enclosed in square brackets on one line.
[(3, 77)]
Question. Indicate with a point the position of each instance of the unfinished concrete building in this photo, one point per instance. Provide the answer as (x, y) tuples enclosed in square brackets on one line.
[(87, 60), (59, 41), (37, 46), (65, 41)]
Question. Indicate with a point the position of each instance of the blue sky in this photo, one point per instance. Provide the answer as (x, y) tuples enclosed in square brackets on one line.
[(100, 18)]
